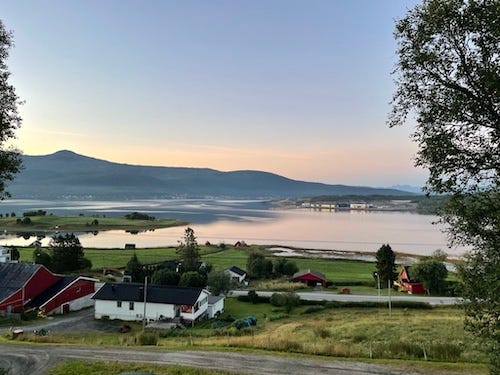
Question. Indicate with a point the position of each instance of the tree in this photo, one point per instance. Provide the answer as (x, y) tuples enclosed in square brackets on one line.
[(14, 253), (42, 257), (189, 251), (258, 266), (67, 254), (10, 120), (135, 269), (165, 277), (219, 282), (448, 77), (386, 265), (432, 273), (192, 279), (283, 266)]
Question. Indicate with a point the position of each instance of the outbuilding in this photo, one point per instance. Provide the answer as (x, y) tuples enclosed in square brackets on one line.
[(406, 283), (237, 274), (26, 286), (310, 278)]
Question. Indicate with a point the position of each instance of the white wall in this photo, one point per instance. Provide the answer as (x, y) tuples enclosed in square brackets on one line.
[(215, 308), (153, 310)]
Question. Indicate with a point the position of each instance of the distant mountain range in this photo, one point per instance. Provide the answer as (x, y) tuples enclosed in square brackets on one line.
[(66, 174)]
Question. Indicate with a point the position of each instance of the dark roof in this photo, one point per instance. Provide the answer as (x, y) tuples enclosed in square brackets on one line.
[(237, 270), (177, 295), (214, 299), (306, 272), (40, 299), (13, 276)]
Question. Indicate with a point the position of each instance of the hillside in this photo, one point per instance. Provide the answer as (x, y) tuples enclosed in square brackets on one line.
[(66, 174)]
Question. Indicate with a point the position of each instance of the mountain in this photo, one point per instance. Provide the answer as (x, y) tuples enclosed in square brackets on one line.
[(66, 174), (408, 188)]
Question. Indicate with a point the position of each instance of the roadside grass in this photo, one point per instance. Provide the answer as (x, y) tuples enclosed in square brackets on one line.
[(50, 223), (408, 334), (423, 336), (100, 367)]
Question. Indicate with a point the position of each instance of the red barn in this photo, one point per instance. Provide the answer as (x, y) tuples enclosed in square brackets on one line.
[(310, 278), (408, 284), (71, 293), (26, 286)]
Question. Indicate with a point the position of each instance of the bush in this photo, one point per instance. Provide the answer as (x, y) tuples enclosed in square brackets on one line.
[(287, 300), (249, 321), (313, 309), (148, 338)]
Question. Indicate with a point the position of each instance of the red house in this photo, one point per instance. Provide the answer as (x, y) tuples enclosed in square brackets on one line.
[(408, 284), (27, 286), (310, 278)]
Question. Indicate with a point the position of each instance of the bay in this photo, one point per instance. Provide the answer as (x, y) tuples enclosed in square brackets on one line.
[(252, 221)]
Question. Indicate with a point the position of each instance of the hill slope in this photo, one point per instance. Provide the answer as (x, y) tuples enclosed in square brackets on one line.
[(66, 174)]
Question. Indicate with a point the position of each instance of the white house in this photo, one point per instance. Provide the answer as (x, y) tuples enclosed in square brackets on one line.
[(4, 255), (125, 301), (236, 274)]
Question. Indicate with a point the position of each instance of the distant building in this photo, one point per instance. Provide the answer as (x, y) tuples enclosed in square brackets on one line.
[(310, 278), (406, 283), (237, 274)]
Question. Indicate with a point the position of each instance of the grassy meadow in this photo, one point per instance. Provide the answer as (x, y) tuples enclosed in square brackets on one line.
[(424, 338)]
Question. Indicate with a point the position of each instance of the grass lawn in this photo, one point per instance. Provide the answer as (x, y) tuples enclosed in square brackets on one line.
[(99, 367)]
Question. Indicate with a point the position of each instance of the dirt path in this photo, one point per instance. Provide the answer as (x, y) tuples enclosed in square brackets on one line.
[(30, 359)]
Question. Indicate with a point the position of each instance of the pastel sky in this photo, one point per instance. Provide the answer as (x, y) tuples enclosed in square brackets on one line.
[(298, 88)]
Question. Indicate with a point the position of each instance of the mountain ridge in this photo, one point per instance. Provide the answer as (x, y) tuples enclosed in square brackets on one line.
[(66, 174)]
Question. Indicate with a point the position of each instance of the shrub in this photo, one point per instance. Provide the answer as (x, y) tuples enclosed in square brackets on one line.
[(148, 338), (313, 309)]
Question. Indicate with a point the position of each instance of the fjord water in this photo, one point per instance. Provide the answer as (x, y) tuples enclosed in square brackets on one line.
[(255, 222)]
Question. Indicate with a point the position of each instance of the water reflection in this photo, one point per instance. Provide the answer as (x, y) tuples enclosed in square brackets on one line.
[(221, 221)]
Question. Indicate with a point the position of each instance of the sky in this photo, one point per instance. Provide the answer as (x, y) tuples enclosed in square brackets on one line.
[(297, 88)]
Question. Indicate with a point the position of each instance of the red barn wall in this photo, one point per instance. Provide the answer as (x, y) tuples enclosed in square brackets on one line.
[(41, 281), (15, 300), (78, 289)]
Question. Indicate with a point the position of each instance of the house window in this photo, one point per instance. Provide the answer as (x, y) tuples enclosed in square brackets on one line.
[(118, 303), (130, 305)]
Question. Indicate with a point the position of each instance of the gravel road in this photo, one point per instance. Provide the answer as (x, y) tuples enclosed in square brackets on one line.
[(29, 359)]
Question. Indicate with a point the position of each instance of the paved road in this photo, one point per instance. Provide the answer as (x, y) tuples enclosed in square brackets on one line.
[(22, 360), (319, 296)]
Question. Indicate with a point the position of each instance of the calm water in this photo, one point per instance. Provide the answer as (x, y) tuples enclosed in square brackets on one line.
[(253, 222)]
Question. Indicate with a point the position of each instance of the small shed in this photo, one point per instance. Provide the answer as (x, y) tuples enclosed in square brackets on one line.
[(237, 274), (406, 283), (310, 277)]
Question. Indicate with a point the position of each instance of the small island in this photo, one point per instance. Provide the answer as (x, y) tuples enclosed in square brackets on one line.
[(39, 221)]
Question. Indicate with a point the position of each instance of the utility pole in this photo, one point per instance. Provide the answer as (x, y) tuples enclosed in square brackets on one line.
[(145, 299), (378, 283), (389, 292)]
